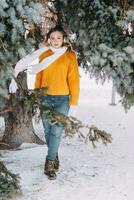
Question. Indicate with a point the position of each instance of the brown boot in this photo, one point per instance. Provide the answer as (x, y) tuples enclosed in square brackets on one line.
[(49, 169), (56, 164)]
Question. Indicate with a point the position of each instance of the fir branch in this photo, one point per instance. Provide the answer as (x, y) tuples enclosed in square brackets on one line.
[(3, 46), (71, 125), (4, 144), (3, 111), (9, 183)]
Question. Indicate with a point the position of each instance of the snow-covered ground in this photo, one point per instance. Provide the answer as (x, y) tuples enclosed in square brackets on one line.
[(104, 173)]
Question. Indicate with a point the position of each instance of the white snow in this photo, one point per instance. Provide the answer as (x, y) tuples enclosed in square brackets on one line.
[(104, 173)]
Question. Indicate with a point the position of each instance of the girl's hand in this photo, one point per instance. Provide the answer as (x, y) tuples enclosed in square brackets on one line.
[(72, 111)]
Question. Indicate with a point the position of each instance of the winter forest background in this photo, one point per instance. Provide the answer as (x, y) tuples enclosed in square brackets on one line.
[(102, 33)]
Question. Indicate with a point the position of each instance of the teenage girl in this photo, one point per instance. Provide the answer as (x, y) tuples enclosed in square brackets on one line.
[(61, 80)]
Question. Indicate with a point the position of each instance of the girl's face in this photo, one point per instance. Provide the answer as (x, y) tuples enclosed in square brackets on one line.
[(56, 39)]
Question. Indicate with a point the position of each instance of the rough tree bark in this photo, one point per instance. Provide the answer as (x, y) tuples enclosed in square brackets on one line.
[(18, 122)]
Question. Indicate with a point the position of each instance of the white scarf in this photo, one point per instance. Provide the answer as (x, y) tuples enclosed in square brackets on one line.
[(32, 69), (36, 68)]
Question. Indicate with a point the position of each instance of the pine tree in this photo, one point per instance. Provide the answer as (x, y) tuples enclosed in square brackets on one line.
[(18, 119), (104, 36), (13, 45), (15, 15), (23, 25)]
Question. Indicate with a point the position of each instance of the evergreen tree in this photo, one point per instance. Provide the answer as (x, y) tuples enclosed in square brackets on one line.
[(13, 45), (18, 120), (14, 14), (104, 37), (15, 18)]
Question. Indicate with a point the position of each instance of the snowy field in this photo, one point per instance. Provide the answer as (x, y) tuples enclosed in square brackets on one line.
[(104, 173)]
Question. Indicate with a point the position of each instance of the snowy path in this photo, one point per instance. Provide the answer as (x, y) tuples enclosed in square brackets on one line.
[(105, 173)]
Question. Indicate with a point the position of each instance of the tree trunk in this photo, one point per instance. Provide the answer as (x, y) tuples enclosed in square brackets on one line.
[(18, 122)]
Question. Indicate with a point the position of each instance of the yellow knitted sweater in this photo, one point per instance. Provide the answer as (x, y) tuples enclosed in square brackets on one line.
[(61, 77)]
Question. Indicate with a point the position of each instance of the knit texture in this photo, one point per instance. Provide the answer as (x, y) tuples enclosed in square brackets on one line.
[(61, 77)]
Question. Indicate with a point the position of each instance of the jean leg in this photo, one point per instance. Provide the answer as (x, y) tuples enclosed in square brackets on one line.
[(46, 124), (54, 142), (56, 132), (47, 130)]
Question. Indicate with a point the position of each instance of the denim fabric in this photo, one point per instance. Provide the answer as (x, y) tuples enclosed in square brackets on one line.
[(53, 133)]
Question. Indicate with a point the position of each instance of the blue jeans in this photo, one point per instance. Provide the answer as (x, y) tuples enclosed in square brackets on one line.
[(53, 133)]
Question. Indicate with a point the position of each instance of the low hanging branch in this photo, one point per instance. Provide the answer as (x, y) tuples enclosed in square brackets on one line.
[(71, 125), (3, 111), (9, 183)]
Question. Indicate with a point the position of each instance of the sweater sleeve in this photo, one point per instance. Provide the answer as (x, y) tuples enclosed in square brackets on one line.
[(73, 79)]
